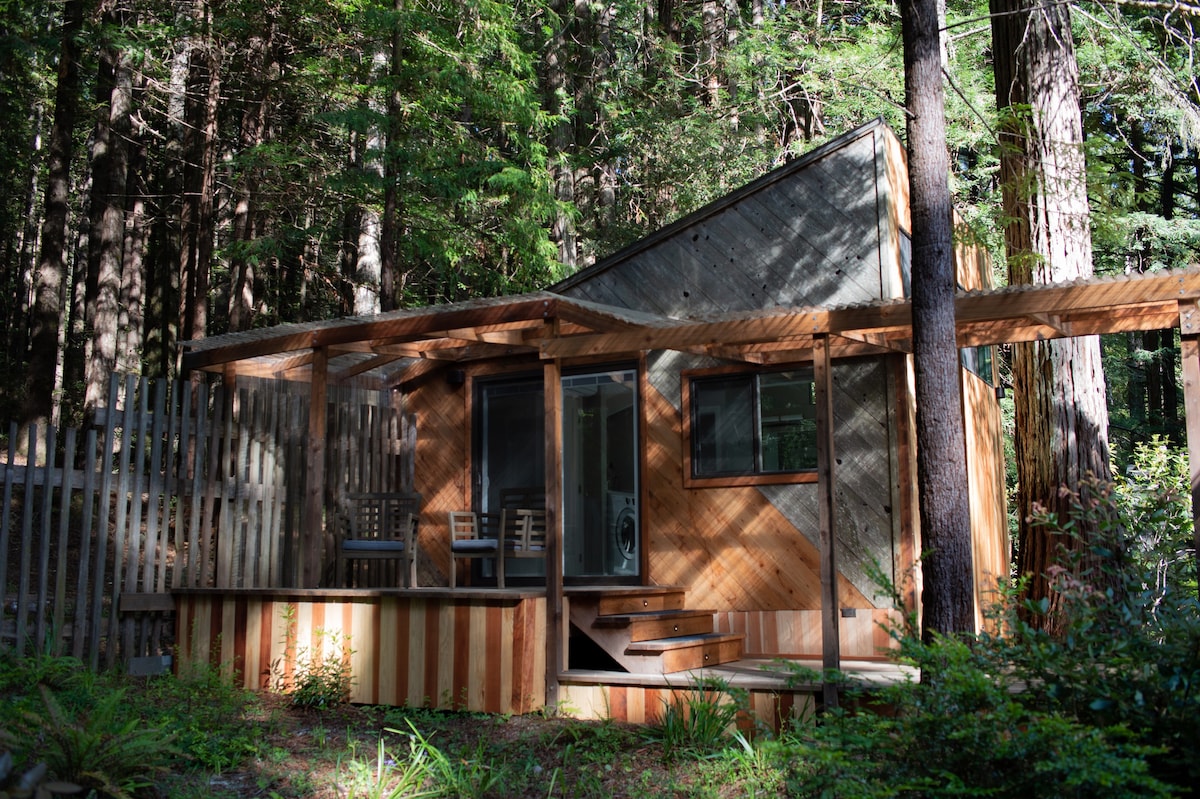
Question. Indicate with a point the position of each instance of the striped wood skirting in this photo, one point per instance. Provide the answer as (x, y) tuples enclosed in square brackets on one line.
[(478, 650)]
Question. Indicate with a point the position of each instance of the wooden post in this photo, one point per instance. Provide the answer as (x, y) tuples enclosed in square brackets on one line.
[(830, 648), (555, 634), (1189, 328), (313, 525)]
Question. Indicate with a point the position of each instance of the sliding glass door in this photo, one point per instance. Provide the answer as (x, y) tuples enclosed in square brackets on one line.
[(601, 532), (600, 478)]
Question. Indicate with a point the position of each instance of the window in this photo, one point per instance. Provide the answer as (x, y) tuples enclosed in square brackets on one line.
[(753, 424), (978, 360)]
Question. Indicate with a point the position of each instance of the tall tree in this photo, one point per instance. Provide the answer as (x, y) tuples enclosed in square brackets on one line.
[(948, 597), (1061, 415), (50, 278), (106, 243), (198, 190)]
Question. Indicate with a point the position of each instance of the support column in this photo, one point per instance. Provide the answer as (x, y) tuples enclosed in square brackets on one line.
[(556, 634), (312, 528), (1189, 328), (830, 646)]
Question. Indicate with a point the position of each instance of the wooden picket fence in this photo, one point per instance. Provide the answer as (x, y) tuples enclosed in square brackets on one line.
[(176, 485)]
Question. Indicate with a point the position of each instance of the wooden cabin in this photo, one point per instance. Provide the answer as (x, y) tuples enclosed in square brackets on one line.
[(725, 459)]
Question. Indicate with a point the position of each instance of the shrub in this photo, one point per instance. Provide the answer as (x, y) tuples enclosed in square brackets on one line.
[(103, 747), (1106, 705), (208, 712)]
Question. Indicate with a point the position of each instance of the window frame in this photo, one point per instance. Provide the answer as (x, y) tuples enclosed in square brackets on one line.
[(690, 479)]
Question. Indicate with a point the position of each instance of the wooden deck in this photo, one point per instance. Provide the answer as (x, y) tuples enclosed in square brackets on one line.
[(776, 691), (469, 649)]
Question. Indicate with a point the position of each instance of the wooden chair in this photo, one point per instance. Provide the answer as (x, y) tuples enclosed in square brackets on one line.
[(379, 527), (474, 535), (523, 534)]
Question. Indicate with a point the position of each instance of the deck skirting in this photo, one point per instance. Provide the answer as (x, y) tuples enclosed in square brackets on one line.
[(478, 650), (468, 650)]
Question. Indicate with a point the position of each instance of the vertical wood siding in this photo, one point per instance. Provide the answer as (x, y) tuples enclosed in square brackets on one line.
[(479, 653), (797, 633), (990, 549), (638, 704)]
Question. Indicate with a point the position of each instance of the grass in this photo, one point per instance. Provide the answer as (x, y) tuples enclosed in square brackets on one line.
[(221, 742)]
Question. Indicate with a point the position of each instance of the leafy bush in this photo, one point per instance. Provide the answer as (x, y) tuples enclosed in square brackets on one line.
[(316, 677), (208, 712), (1106, 706), (104, 747), (961, 731), (1128, 654)]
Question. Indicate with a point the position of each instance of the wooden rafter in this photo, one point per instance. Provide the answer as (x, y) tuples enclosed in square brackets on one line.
[(562, 327)]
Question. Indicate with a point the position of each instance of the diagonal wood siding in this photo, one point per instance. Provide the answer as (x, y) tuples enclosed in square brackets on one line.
[(815, 232), (730, 548), (754, 548)]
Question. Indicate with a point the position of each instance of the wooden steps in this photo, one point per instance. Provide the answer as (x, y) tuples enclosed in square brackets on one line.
[(648, 630)]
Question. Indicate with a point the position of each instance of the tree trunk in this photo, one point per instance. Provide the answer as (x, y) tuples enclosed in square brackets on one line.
[(562, 229), (390, 280), (196, 224), (948, 597), (51, 270), (110, 162), (242, 299), (1061, 415), (133, 278)]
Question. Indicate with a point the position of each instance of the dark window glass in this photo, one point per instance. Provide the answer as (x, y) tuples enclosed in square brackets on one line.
[(753, 424)]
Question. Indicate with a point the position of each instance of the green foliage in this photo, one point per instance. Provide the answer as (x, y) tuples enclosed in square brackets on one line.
[(1106, 706), (208, 714), (700, 721), (1154, 500), (315, 677), (104, 746), (390, 777), (1130, 651), (463, 775)]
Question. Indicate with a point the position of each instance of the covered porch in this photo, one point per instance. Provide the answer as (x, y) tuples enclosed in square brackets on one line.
[(522, 636)]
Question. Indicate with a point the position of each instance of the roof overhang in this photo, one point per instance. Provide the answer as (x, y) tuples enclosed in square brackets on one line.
[(553, 326)]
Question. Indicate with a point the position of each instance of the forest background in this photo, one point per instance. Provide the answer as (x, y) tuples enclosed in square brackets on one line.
[(174, 169)]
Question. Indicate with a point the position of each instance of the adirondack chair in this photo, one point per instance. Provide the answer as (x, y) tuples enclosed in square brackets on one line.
[(379, 526)]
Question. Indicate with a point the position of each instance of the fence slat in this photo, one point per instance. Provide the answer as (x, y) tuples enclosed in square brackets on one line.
[(45, 525), (59, 604), (81, 641), (9, 475), (180, 485), (26, 544), (102, 537)]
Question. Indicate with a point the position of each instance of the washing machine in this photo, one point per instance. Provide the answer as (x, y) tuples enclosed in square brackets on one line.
[(621, 551)]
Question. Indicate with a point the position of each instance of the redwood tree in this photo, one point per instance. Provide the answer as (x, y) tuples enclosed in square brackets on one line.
[(1062, 419), (948, 596), (52, 265)]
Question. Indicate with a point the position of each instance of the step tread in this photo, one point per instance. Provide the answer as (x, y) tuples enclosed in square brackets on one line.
[(681, 642), (622, 619), (620, 590)]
